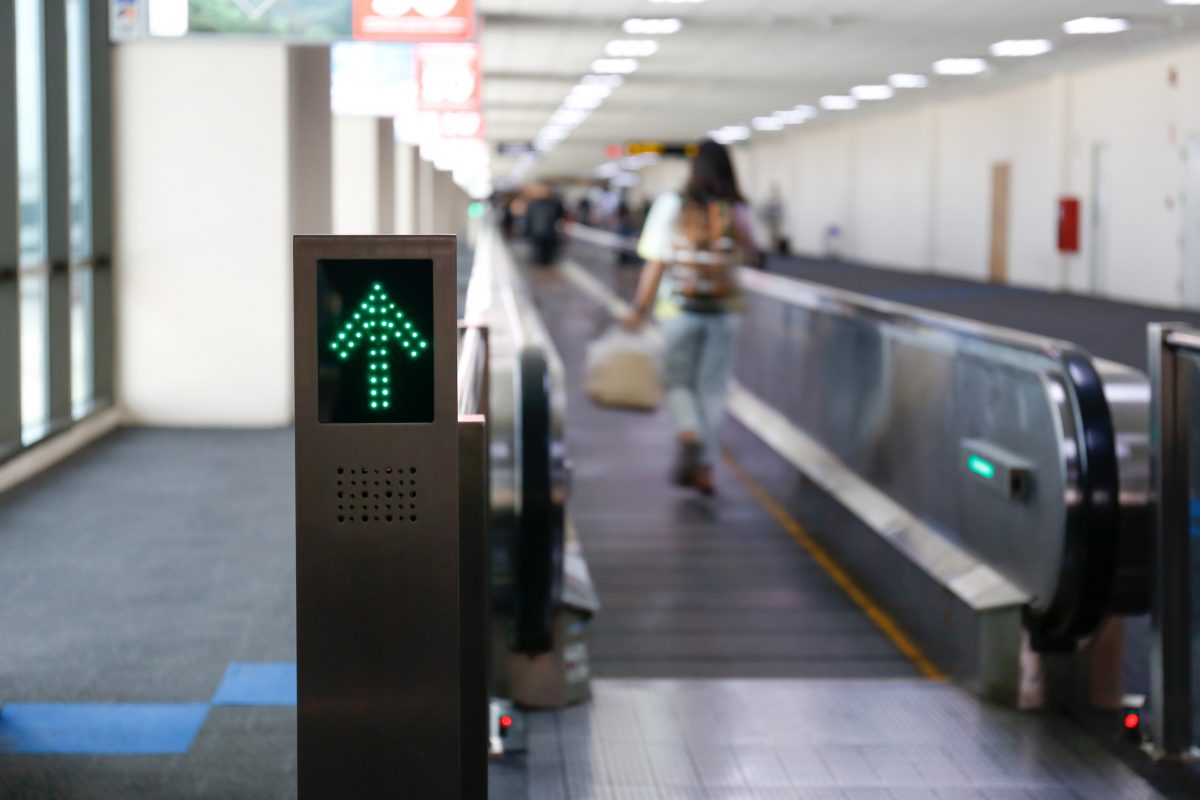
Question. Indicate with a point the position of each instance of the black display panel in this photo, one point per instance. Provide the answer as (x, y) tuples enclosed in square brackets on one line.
[(375, 341)]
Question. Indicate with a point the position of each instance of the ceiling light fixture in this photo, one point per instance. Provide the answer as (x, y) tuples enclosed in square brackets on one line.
[(960, 66), (639, 26), (615, 66), (767, 124), (905, 80), (873, 92), (611, 81), (1095, 25), (631, 48), (1021, 48), (838, 102), (795, 116), (730, 134)]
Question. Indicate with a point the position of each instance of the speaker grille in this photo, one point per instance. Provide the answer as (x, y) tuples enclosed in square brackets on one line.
[(381, 495)]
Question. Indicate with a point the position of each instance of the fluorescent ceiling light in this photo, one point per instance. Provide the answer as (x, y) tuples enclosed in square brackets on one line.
[(639, 26), (615, 66), (631, 48), (583, 102), (611, 81), (767, 124), (1183, 2), (905, 80), (873, 92), (1021, 48), (730, 133), (595, 90), (568, 116), (960, 66), (1092, 25), (838, 102), (795, 116)]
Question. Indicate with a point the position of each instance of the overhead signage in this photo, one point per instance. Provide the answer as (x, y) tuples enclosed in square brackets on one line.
[(449, 77), (688, 149), (414, 20), (297, 20), (514, 149)]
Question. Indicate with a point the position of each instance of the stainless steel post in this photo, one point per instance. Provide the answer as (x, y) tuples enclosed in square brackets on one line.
[(1171, 656)]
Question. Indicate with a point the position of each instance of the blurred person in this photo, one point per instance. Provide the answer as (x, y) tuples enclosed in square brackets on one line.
[(772, 217), (696, 239), (625, 226), (583, 211), (543, 212)]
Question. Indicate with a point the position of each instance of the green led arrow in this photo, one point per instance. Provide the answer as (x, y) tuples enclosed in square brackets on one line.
[(379, 328)]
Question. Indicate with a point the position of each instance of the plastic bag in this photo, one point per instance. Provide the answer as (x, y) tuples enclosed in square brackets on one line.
[(623, 369)]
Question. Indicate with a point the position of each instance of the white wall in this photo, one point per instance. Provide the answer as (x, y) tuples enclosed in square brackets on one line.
[(204, 212), (911, 189)]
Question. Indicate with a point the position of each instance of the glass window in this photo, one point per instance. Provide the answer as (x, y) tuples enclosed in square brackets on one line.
[(31, 164), (79, 116), (31, 129), (82, 388)]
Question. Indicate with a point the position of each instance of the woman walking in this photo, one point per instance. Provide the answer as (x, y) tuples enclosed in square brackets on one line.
[(692, 243)]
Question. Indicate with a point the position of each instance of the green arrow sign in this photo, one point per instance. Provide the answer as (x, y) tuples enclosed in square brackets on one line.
[(378, 328)]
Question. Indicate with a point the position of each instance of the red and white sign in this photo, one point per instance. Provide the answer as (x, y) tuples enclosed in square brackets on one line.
[(460, 125), (449, 77), (414, 20)]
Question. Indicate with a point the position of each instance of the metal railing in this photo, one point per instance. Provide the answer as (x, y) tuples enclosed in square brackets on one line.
[(1174, 351), (1008, 467), (509, 370)]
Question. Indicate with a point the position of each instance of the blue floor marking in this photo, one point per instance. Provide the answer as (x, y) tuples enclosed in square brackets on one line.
[(258, 684), (100, 728)]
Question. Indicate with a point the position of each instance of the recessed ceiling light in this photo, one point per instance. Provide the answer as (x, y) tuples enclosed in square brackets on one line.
[(615, 66), (569, 117), (611, 81), (1093, 25), (767, 124), (960, 66), (631, 48), (1021, 48), (640, 26), (838, 102), (873, 92), (586, 102), (905, 80), (730, 133), (795, 116)]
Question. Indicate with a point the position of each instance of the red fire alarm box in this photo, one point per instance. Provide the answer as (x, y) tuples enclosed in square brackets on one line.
[(1068, 225)]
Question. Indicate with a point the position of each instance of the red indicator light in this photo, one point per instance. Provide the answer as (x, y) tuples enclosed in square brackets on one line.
[(614, 151), (506, 722), (1131, 721)]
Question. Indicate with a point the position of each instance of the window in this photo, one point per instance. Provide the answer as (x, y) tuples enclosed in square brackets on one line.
[(31, 193), (80, 138)]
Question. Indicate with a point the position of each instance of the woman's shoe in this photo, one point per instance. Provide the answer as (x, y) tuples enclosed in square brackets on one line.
[(702, 479), (687, 462)]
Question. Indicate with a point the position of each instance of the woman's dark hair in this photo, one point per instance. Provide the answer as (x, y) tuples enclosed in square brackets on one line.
[(712, 175)]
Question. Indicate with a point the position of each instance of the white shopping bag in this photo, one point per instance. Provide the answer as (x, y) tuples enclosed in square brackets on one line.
[(623, 369)]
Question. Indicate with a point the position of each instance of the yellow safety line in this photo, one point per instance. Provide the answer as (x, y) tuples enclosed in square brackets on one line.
[(818, 553)]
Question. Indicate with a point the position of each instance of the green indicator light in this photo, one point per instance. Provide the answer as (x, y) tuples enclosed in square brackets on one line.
[(377, 331), (981, 467), (475, 210)]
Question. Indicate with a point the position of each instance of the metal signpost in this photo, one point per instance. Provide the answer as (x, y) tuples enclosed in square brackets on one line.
[(386, 706)]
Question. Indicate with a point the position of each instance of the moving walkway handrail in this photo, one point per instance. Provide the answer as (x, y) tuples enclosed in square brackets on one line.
[(1174, 351), (516, 365), (1089, 563)]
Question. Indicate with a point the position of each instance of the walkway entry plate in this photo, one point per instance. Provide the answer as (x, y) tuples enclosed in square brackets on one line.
[(377, 534)]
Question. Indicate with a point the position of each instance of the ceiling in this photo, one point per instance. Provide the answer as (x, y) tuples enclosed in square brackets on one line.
[(737, 59)]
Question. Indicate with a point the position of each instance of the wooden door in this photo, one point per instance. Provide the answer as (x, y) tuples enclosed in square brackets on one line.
[(1001, 190)]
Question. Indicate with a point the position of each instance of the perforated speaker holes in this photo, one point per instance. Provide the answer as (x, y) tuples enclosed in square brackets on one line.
[(381, 495)]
